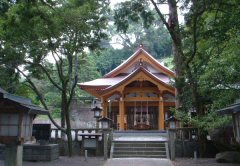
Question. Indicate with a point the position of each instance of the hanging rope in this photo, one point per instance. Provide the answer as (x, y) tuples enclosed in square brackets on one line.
[(135, 112), (141, 113), (147, 115)]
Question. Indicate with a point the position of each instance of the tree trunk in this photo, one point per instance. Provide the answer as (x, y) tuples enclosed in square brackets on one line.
[(173, 27), (69, 133), (65, 111), (62, 120)]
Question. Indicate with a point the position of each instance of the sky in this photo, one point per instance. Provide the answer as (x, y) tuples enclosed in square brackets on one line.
[(164, 8)]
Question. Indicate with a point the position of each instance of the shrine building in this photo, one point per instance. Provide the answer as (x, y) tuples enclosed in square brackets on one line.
[(136, 95)]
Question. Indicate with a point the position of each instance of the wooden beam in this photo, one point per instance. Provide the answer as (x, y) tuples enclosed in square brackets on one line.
[(150, 103), (142, 89), (141, 99)]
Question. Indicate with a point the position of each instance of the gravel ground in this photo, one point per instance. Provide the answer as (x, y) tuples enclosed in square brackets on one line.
[(202, 162), (99, 161), (66, 161)]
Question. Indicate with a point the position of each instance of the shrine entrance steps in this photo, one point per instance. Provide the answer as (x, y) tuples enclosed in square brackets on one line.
[(139, 144)]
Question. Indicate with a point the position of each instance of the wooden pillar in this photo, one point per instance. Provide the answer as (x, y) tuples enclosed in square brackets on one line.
[(161, 114), (104, 107), (121, 115)]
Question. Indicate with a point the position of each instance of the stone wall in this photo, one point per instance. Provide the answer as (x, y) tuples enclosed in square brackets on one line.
[(80, 114)]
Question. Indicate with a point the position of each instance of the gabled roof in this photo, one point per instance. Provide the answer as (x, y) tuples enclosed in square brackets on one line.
[(133, 57), (232, 109), (23, 102), (138, 70), (103, 83), (140, 62)]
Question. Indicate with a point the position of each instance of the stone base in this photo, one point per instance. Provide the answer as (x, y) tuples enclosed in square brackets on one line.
[(228, 157)]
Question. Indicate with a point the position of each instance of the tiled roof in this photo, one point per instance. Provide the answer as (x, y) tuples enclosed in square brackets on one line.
[(115, 80), (25, 102), (232, 109), (103, 81)]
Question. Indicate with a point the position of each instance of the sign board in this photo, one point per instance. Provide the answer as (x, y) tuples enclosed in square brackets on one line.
[(90, 143)]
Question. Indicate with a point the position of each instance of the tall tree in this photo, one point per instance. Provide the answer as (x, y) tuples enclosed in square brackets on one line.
[(33, 31)]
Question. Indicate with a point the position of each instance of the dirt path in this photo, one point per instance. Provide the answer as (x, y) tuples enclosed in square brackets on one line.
[(199, 162), (137, 162), (66, 161)]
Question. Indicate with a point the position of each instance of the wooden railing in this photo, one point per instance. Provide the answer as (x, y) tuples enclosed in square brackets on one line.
[(181, 134), (185, 133)]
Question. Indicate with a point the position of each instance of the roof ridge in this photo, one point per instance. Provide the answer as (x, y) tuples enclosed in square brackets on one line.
[(134, 72)]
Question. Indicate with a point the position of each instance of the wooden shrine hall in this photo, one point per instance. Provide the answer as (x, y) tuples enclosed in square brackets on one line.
[(136, 95)]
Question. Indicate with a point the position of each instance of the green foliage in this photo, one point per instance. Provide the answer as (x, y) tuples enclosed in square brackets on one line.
[(133, 11), (210, 121), (154, 37), (168, 62), (9, 79), (31, 31), (108, 59), (212, 74)]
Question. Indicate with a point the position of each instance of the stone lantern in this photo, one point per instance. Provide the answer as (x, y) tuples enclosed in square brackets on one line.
[(105, 122), (172, 122), (97, 112), (16, 117)]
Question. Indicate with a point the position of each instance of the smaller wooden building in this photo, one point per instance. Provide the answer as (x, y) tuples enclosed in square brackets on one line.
[(136, 95), (233, 110), (16, 116)]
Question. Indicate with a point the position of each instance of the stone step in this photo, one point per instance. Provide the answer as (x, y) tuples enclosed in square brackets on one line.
[(134, 136), (140, 152), (139, 156), (140, 144), (154, 145), (140, 133), (139, 148)]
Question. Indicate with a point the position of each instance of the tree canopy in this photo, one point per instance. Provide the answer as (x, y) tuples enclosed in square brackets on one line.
[(31, 32)]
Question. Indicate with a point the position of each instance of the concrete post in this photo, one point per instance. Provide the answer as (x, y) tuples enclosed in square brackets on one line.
[(171, 137), (105, 144), (86, 155), (14, 154)]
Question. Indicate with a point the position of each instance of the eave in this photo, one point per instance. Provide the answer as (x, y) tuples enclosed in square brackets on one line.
[(131, 76)]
